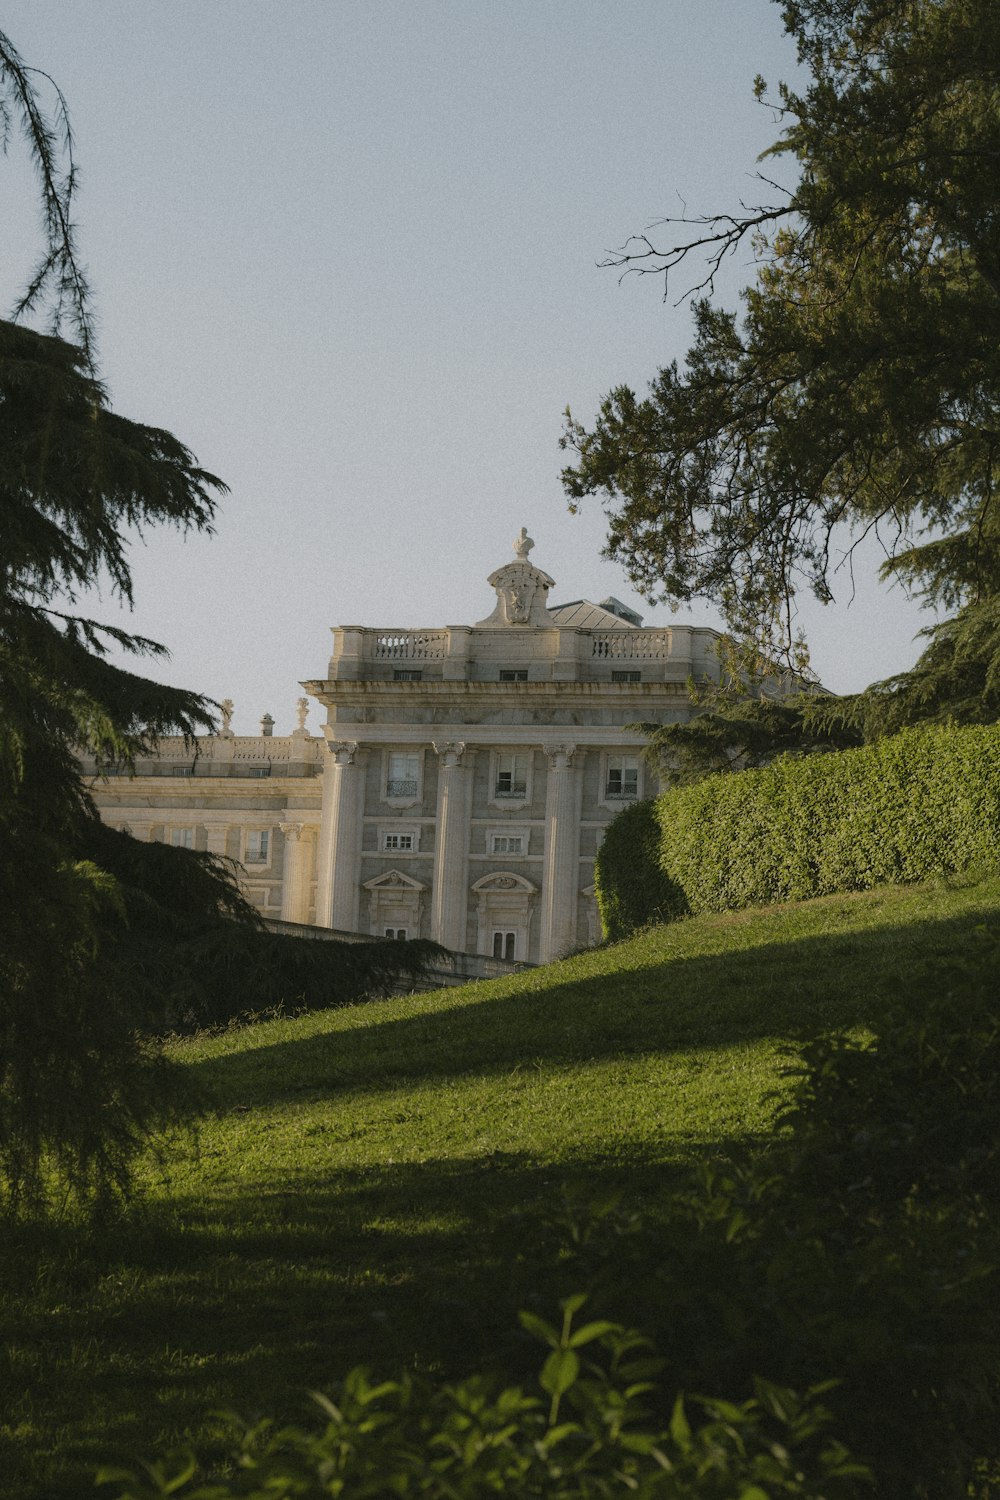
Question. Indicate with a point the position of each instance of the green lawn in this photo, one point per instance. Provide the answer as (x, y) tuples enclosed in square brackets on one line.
[(389, 1183)]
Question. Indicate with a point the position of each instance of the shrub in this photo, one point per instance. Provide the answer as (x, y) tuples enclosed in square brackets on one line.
[(592, 1428), (631, 886), (916, 804), (864, 1242), (192, 952)]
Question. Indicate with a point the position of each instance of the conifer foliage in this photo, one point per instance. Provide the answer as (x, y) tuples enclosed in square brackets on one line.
[(103, 940), (79, 1086)]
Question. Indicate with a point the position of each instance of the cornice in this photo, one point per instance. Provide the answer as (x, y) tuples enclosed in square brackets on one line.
[(334, 691)]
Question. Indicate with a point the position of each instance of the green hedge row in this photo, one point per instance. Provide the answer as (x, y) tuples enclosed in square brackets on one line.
[(916, 804)]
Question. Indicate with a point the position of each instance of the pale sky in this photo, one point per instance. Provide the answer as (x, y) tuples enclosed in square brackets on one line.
[(347, 251)]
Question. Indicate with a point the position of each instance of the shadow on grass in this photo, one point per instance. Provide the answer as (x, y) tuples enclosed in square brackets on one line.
[(790, 990), (249, 1302), (121, 1344)]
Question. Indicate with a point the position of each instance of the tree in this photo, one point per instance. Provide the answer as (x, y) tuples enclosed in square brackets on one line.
[(80, 1086), (956, 680), (102, 939), (58, 280), (728, 734), (858, 388)]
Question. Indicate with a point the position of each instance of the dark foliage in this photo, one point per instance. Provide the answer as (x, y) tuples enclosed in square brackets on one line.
[(590, 1426), (632, 888), (732, 733), (79, 1088), (192, 953), (956, 680), (58, 281), (866, 1244)]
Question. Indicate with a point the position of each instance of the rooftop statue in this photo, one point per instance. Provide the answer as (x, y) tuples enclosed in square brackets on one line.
[(521, 589), (522, 545)]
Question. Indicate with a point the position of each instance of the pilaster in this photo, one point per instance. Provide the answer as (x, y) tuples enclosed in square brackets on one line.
[(295, 872), (450, 895), (563, 792), (338, 894)]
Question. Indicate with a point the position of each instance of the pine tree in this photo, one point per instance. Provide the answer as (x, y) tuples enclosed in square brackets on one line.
[(81, 1085)]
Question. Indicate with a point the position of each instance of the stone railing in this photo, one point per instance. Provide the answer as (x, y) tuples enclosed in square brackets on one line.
[(411, 645), (632, 645), (173, 747), (267, 747)]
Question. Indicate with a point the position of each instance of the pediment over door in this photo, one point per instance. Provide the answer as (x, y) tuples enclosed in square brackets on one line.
[(502, 881), (395, 903), (394, 880)]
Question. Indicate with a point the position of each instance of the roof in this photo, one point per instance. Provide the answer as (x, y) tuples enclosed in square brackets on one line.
[(584, 615)]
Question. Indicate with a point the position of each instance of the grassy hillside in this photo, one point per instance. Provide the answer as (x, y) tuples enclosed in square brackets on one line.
[(390, 1183)]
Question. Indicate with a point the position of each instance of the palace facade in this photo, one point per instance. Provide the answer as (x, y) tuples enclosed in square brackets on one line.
[(461, 784)]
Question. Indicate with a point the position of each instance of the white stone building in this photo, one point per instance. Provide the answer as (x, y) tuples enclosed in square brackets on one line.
[(462, 781)]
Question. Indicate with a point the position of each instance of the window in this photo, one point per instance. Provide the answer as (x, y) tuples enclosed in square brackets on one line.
[(397, 841), (398, 933), (503, 945), (513, 674), (623, 777), (260, 772), (507, 843), (404, 771), (626, 676), (257, 842), (512, 776), (182, 770), (407, 674), (182, 838)]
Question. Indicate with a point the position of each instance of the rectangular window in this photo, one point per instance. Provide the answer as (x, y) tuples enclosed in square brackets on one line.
[(623, 778), (397, 933), (182, 770), (513, 674), (503, 945), (403, 773), (407, 674), (512, 776), (626, 676), (507, 843), (182, 838), (259, 772), (257, 842), (397, 841)]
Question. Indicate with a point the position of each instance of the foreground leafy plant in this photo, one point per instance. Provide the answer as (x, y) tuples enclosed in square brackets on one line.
[(863, 1241), (599, 1432)]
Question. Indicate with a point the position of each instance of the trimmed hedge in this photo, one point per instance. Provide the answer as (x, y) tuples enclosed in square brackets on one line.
[(916, 804), (631, 888)]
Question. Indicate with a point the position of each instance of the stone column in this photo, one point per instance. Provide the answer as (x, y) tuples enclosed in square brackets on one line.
[(450, 896), (295, 872), (561, 878), (338, 893)]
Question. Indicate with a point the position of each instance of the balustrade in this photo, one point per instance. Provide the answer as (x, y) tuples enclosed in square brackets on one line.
[(411, 645), (631, 645)]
